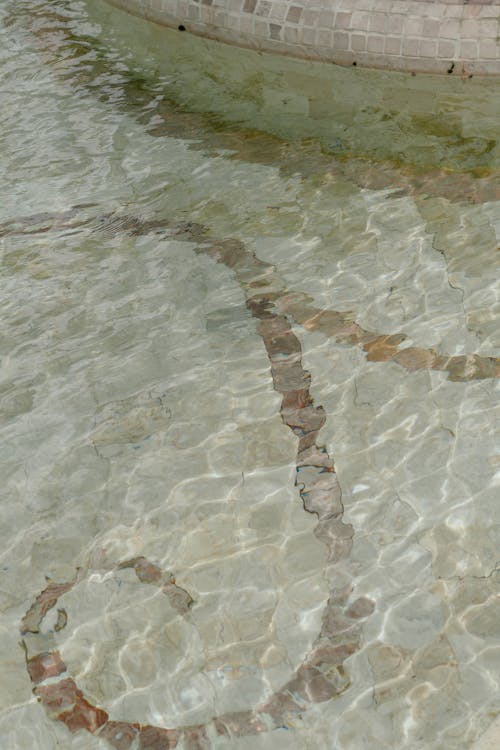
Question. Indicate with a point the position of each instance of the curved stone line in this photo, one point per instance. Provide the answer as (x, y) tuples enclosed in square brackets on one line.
[(341, 326), (321, 675), (386, 347)]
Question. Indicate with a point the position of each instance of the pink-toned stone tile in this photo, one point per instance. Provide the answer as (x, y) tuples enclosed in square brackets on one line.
[(411, 47), (83, 715), (378, 22), (325, 38), (275, 30), (239, 724), (471, 11), (468, 50), (310, 17), (489, 28), (340, 40), (393, 45), (450, 28), (249, 6), (446, 49), (375, 43), (414, 358), (326, 18), (395, 23), (414, 26), (343, 20), (120, 734), (260, 28), (430, 28), (57, 696), (428, 48), (294, 14), (291, 34), (470, 28), (307, 36), (263, 8), (360, 20), (358, 42), (154, 738), (489, 49)]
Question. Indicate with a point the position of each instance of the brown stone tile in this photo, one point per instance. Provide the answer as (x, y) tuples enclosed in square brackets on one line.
[(145, 571), (316, 456), (304, 420), (43, 603), (279, 705), (383, 348), (296, 399), (336, 535), (332, 655), (325, 503), (178, 597), (120, 734), (58, 696), (249, 6), (471, 367), (275, 30), (312, 685), (45, 665), (195, 738), (307, 441), (274, 325), (414, 358), (335, 622), (260, 307), (154, 738), (329, 322), (289, 377), (281, 346), (230, 252), (340, 595), (264, 8), (294, 14), (84, 715), (361, 608), (239, 724), (62, 620)]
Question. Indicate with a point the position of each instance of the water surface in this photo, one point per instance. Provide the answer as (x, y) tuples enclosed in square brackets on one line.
[(168, 279)]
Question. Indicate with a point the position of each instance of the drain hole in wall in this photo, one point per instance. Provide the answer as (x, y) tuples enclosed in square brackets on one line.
[(181, 27)]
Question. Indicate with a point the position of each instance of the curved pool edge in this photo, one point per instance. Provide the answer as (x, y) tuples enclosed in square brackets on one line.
[(413, 36)]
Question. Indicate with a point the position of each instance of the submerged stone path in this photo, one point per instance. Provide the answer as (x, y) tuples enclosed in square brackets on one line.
[(342, 326), (322, 674)]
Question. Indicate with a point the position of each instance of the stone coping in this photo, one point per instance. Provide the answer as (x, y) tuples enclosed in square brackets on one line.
[(447, 38)]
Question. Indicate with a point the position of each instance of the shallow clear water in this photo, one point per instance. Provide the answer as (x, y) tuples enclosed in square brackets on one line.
[(140, 421)]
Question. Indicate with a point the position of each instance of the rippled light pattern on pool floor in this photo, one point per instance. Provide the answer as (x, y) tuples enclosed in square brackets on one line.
[(249, 398)]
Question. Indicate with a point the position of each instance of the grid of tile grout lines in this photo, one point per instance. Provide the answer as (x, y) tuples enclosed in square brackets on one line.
[(432, 36)]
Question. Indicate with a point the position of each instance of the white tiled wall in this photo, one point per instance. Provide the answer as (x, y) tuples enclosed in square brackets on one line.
[(444, 37)]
